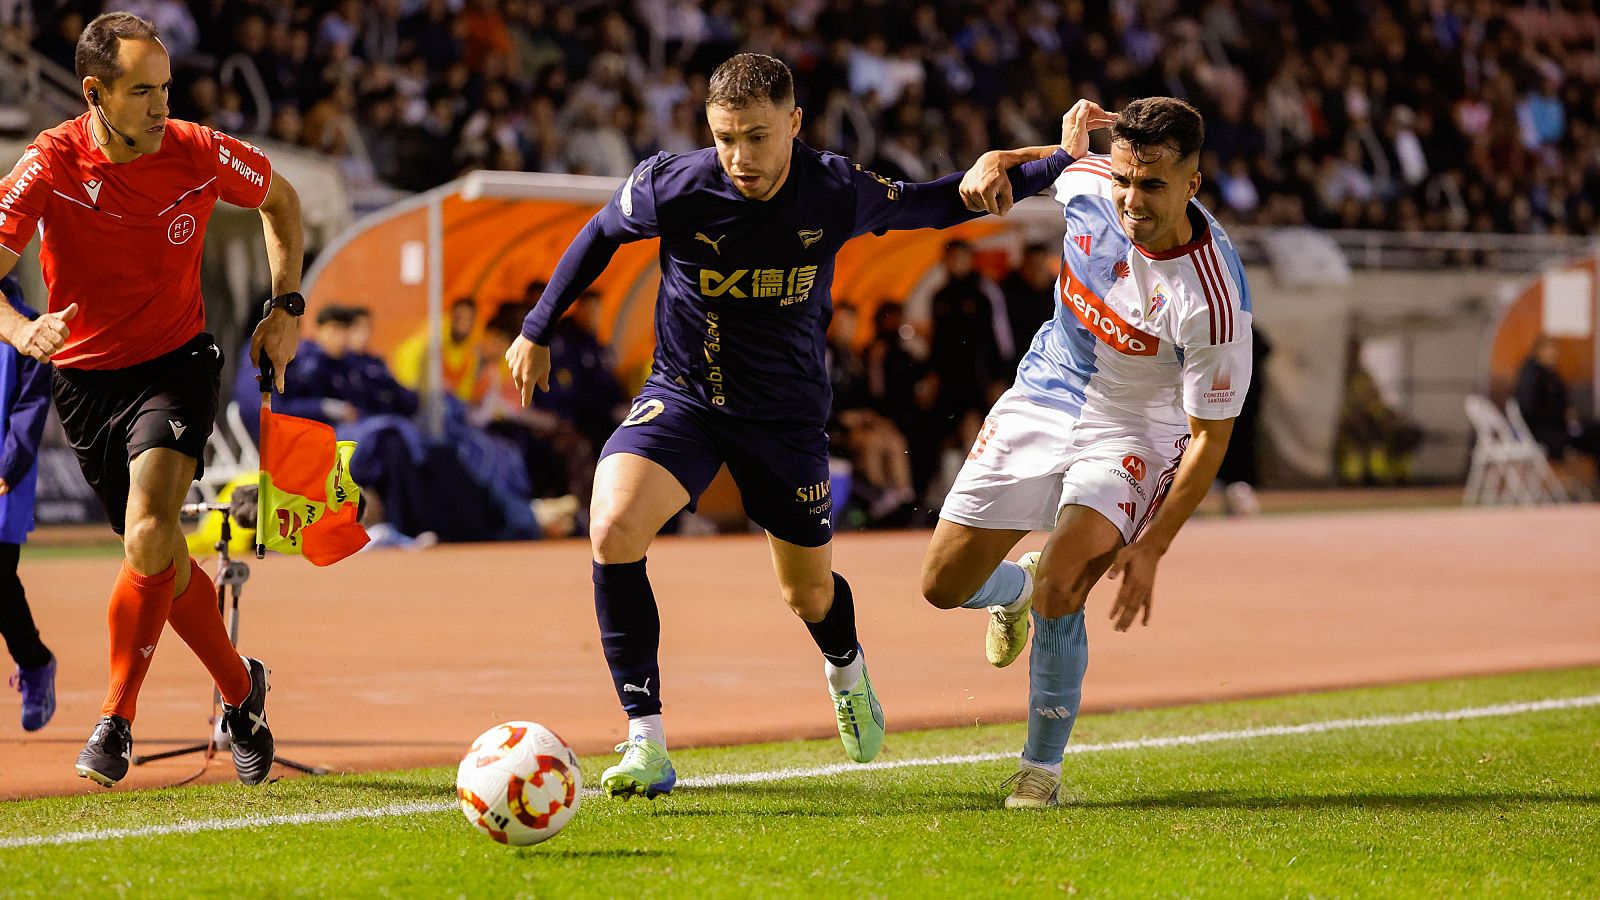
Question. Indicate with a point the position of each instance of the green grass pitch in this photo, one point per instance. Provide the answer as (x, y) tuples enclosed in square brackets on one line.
[(1501, 806)]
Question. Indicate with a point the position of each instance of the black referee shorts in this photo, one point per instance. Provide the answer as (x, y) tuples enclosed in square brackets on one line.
[(113, 415)]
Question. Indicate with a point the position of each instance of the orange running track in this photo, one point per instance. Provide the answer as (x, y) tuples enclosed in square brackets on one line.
[(397, 659)]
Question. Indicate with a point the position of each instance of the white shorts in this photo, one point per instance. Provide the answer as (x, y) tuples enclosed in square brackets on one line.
[(1030, 461)]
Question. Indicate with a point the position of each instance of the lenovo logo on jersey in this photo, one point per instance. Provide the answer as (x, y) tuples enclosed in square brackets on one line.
[(1101, 321)]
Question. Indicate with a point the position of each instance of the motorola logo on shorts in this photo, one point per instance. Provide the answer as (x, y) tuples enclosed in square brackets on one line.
[(1134, 465)]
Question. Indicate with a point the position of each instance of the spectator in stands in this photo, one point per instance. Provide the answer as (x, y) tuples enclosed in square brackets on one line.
[(560, 460), (1240, 471), (458, 353), (1543, 398), (1375, 441), (583, 383), (1030, 299), (964, 353), (875, 447), (373, 388), (900, 390), (319, 385)]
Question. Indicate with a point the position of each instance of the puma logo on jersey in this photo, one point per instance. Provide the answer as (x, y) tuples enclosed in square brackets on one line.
[(178, 428), (92, 188), (809, 237), (635, 689), (701, 237)]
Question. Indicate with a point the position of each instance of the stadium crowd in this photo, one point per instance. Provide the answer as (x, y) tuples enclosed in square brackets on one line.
[(1478, 115)]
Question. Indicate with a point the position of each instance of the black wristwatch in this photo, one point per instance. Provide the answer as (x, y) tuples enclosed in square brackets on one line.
[(291, 303)]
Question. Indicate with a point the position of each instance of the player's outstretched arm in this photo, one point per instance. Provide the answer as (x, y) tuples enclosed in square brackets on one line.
[(585, 258), (278, 335), (987, 186), (991, 185), (1136, 563)]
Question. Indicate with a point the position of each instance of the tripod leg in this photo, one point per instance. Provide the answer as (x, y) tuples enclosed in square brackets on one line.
[(299, 766)]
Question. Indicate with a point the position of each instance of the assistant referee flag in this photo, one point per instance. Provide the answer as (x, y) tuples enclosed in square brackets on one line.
[(309, 504)]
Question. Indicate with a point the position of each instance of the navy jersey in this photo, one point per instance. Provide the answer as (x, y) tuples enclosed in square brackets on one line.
[(742, 313)]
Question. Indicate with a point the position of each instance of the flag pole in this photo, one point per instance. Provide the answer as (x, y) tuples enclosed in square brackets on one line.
[(266, 379)]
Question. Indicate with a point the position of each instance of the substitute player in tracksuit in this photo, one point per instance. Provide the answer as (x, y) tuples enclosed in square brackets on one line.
[(749, 230), (24, 404), (120, 197), (1117, 423)]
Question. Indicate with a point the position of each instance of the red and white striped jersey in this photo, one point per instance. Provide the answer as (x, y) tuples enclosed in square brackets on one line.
[(1157, 335)]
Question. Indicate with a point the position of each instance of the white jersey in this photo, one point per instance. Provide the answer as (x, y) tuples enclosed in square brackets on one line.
[(1155, 336)]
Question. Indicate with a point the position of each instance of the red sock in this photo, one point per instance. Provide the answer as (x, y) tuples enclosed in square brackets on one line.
[(139, 607), (197, 619)]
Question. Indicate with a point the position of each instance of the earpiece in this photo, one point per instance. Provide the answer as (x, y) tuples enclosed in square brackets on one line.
[(94, 99)]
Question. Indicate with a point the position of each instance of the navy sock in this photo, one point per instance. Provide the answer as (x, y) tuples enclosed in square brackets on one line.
[(630, 633), (836, 633)]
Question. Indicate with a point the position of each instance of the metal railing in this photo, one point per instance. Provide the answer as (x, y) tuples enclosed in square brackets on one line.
[(1434, 249), (48, 92)]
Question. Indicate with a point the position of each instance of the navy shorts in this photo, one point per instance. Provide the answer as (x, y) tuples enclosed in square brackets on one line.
[(781, 470)]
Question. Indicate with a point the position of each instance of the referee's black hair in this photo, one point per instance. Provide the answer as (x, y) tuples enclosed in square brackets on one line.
[(97, 46), (1150, 123), (747, 79)]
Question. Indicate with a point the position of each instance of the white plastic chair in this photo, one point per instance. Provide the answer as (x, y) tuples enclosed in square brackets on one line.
[(1560, 488), (1506, 468), (231, 454)]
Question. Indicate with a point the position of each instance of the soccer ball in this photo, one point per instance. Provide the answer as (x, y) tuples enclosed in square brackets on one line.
[(519, 784)]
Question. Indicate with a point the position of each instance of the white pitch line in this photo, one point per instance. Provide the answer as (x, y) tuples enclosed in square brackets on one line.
[(703, 781)]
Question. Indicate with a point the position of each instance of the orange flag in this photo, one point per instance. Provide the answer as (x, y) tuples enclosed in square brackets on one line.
[(309, 504)]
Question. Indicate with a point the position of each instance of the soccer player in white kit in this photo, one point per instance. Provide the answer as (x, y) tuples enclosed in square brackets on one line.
[(1116, 425)]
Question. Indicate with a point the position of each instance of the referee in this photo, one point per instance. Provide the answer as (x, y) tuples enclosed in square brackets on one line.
[(120, 197)]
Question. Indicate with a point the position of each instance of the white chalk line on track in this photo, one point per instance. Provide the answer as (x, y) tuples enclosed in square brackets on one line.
[(726, 780)]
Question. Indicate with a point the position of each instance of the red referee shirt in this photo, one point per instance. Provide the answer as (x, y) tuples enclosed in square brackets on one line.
[(123, 240)]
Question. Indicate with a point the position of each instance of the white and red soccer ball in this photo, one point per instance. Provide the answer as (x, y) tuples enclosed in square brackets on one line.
[(519, 784)]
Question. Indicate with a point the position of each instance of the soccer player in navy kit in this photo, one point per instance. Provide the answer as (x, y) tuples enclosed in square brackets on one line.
[(749, 230)]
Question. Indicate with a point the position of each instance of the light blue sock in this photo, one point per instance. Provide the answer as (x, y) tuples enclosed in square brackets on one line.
[(1002, 589), (1059, 658)]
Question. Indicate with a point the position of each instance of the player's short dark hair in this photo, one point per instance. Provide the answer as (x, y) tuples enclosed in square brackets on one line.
[(357, 313), (97, 46), (1153, 122), (747, 79)]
